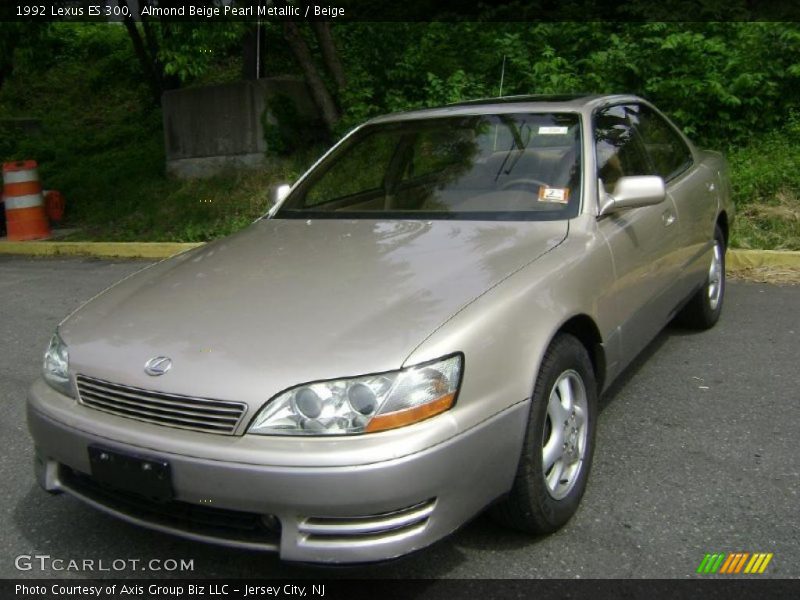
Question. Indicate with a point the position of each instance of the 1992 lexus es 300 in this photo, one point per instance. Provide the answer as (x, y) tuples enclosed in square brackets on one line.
[(419, 329)]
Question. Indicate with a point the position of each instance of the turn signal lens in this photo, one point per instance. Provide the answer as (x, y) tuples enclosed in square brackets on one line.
[(401, 418)]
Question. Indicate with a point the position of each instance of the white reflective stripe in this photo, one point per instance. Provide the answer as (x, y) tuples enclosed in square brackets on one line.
[(20, 176), (27, 201)]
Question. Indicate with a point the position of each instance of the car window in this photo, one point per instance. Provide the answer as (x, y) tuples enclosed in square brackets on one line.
[(363, 171), (668, 153), (493, 167), (618, 148), (435, 151)]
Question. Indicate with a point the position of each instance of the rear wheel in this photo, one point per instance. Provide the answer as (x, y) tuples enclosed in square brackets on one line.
[(559, 442), (705, 307)]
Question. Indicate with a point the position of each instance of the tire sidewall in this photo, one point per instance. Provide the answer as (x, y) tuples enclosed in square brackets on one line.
[(566, 353), (712, 314)]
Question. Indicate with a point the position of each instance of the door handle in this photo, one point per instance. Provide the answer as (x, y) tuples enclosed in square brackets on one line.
[(668, 218)]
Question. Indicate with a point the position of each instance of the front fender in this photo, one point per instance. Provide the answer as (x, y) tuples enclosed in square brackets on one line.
[(505, 332)]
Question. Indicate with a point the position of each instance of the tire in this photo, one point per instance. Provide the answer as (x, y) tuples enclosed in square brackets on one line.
[(542, 500), (704, 308)]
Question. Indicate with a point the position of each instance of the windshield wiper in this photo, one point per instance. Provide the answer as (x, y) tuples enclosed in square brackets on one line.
[(516, 143)]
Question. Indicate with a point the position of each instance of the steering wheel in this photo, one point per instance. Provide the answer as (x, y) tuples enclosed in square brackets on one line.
[(523, 181)]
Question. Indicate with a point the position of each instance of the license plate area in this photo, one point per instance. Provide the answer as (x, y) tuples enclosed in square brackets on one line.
[(144, 476)]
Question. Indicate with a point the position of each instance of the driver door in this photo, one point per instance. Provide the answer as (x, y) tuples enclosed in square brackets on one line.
[(642, 241)]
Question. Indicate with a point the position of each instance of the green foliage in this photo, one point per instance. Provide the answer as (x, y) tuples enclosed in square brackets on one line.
[(192, 50), (719, 81), (766, 188), (768, 163), (160, 209), (733, 86), (95, 132), (100, 143)]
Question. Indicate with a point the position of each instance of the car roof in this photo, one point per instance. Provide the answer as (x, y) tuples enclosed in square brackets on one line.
[(526, 98), (583, 103)]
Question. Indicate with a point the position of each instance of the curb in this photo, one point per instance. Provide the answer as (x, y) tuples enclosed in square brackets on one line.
[(735, 258), (97, 249), (753, 259)]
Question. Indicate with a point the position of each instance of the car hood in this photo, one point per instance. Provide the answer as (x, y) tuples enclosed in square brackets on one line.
[(288, 301)]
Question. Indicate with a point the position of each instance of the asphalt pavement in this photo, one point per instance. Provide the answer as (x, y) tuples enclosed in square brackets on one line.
[(697, 452)]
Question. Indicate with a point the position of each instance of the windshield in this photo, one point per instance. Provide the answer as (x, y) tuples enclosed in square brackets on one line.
[(492, 167)]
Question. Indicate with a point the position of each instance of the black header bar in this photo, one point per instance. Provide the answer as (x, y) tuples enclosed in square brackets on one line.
[(407, 10)]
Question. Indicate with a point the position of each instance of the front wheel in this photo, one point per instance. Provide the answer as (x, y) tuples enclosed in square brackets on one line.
[(704, 308), (559, 442)]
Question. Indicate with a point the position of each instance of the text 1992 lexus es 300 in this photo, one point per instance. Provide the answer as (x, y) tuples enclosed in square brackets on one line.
[(419, 329)]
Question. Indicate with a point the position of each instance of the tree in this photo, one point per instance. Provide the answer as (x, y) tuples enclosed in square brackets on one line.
[(319, 91), (14, 36), (147, 52), (330, 55)]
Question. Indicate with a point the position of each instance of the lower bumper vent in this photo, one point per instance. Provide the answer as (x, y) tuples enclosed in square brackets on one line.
[(387, 527)]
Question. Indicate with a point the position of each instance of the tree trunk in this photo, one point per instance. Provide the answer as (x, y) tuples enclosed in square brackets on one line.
[(145, 61), (149, 36), (319, 92), (250, 50), (329, 53), (165, 82)]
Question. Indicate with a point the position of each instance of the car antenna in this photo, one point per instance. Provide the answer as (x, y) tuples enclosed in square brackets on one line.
[(502, 76)]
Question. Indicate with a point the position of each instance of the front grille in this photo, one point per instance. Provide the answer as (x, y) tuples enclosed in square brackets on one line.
[(218, 523), (367, 529), (171, 410)]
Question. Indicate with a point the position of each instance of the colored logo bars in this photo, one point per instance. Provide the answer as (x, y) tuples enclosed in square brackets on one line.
[(734, 563)]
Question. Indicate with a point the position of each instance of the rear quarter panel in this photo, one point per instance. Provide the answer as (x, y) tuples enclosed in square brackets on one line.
[(718, 165), (699, 213)]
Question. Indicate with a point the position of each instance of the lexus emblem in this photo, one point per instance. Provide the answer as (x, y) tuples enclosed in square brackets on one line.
[(158, 365)]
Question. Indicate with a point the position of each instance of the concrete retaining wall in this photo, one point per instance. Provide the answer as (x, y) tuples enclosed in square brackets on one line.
[(211, 128)]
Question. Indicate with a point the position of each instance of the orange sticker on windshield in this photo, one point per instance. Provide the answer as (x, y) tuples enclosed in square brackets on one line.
[(553, 194)]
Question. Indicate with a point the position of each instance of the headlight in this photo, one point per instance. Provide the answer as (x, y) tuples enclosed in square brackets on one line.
[(56, 365), (363, 404)]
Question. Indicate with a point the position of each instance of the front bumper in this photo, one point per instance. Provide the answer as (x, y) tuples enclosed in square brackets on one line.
[(342, 513)]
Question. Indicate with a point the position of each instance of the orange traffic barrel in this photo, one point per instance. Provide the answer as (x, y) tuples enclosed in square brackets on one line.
[(25, 215)]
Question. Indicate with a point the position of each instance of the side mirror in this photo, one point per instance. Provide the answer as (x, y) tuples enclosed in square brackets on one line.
[(634, 192), (277, 195)]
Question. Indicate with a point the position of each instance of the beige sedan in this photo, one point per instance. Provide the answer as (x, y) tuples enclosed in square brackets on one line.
[(418, 330)]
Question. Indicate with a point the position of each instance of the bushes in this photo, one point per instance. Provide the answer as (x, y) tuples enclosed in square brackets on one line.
[(101, 143), (766, 188), (730, 85), (184, 210), (98, 136), (719, 81)]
